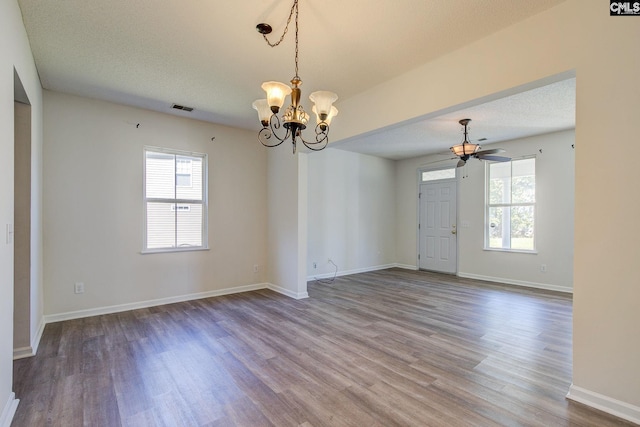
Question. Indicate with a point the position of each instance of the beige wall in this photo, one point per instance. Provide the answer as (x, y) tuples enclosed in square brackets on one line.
[(351, 213), (554, 215), (94, 213), (581, 36), (22, 227), (287, 221)]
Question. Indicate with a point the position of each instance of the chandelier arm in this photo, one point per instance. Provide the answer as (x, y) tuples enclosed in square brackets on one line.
[(265, 134), (322, 137)]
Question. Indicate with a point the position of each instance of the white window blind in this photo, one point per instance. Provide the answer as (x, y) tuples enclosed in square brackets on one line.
[(175, 200)]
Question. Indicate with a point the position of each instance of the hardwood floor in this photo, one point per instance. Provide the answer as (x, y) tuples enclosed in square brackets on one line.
[(389, 348)]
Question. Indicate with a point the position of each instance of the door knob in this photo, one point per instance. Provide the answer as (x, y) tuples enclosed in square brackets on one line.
[(453, 231)]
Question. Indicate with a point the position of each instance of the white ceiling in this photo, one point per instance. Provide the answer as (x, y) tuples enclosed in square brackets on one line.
[(545, 109), (207, 54)]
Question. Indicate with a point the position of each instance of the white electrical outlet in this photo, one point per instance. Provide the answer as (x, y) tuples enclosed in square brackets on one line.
[(256, 268), (78, 288), (543, 268), (315, 264)]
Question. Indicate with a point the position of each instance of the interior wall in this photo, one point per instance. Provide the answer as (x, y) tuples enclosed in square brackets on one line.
[(16, 59), (351, 213), (287, 221), (555, 187), (22, 227), (555, 171), (575, 36), (94, 211)]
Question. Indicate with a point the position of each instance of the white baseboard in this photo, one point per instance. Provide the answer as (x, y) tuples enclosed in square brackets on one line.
[(9, 410), (349, 272), (516, 282), (287, 292), (407, 267), (151, 303), (23, 352), (605, 403)]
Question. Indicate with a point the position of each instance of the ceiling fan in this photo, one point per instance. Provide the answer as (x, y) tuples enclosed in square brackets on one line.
[(466, 150)]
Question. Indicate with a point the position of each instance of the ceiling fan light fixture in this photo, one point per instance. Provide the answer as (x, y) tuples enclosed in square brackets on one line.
[(465, 149)]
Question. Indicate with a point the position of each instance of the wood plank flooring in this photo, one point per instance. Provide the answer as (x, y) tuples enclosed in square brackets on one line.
[(389, 348)]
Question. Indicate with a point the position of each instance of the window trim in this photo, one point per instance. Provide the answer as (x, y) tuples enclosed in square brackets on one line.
[(204, 201), (488, 206)]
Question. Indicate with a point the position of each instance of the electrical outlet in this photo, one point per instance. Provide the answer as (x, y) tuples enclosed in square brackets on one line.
[(315, 264), (543, 268), (256, 268), (78, 288)]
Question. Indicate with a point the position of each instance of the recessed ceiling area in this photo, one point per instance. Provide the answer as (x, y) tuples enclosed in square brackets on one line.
[(545, 109)]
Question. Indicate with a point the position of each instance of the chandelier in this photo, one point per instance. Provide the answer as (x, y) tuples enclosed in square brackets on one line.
[(294, 119)]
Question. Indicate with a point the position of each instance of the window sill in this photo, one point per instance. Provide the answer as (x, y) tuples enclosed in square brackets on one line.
[(517, 251), (173, 250)]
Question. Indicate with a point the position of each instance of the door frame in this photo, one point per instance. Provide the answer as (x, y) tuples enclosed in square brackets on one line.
[(419, 171)]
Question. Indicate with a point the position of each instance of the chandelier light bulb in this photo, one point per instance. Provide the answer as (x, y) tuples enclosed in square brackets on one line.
[(276, 93)]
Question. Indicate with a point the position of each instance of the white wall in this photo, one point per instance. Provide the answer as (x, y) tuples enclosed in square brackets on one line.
[(15, 53), (575, 35), (287, 221), (351, 212), (555, 188), (93, 155), (554, 215)]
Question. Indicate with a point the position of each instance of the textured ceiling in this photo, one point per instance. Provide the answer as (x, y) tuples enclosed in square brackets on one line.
[(545, 109), (206, 54)]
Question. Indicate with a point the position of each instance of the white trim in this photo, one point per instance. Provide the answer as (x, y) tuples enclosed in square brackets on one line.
[(22, 352), (546, 286), (354, 271), (407, 267), (287, 292), (151, 303), (9, 410), (604, 403)]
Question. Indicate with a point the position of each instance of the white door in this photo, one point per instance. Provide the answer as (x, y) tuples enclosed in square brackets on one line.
[(437, 226)]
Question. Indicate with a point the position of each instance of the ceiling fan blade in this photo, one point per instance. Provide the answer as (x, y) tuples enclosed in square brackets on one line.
[(491, 151), (493, 158), (439, 161), (461, 163)]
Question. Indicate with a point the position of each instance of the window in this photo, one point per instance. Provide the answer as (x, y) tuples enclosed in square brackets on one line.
[(511, 202), (435, 175), (175, 200), (184, 169)]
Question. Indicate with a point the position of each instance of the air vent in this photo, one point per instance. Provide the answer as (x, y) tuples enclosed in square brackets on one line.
[(182, 107)]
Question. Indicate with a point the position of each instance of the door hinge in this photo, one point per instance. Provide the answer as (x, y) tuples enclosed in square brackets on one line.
[(419, 195), (418, 256), (418, 226)]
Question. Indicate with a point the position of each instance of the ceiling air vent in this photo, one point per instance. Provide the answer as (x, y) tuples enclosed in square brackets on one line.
[(182, 107)]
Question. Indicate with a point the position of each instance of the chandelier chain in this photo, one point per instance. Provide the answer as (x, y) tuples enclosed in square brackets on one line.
[(294, 7)]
